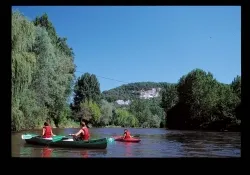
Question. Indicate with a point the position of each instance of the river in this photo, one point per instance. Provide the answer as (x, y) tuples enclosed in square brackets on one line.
[(154, 143)]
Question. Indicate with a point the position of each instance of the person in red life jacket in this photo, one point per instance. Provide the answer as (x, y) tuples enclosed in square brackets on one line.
[(82, 134), (47, 131), (126, 134)]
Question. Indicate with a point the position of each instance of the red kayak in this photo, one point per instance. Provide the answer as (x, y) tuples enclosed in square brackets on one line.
[(120, 139)]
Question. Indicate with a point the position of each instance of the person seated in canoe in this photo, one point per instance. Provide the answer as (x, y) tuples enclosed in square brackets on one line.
[(82, 134), (126, 134), (47, 130)]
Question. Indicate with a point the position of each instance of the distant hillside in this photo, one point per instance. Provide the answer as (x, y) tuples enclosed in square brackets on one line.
[(125, 93)]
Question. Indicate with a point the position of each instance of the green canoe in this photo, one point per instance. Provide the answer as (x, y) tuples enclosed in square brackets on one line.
[(68, 143)]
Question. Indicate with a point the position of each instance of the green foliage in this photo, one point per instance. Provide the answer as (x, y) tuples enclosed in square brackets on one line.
[(87, 88), (208, 103), (89, 111), (130, 91), (23, 64), (42, 74), (107, 112), (83, 112), (148, 112), (125, 119), (43, 21), (95, 112), (198, 89), (227, 103), (236, 85), (169, 96)]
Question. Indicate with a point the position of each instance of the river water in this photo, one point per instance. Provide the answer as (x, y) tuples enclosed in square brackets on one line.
[(154, 143)]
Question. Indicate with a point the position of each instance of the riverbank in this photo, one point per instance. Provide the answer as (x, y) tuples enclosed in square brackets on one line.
[(63, 124), (235, 127), (68, 124), (73, 124), (112, 126)]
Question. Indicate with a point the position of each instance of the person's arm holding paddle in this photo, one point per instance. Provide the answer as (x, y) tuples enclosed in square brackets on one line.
[(78, 133)]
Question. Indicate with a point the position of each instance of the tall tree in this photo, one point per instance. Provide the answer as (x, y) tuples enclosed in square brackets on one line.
[(107, 111), (42, 73), (169, 96), (236, 85), (43, 21), (23, 66), (87, 88)]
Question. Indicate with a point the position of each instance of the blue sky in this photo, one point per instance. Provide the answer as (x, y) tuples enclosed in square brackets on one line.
[(160, 44)]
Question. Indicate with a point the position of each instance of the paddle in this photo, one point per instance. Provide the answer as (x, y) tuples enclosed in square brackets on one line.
[(57, 138), (54, 138), (28, 136)]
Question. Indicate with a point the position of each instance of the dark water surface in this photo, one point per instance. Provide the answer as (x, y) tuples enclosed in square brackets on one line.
[(154, 143)]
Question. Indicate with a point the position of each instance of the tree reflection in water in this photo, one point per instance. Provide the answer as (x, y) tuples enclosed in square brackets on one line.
[(26, 151)]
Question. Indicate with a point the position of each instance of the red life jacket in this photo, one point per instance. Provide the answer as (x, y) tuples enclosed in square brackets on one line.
[(86, 134), (47, 133), (127, 136)]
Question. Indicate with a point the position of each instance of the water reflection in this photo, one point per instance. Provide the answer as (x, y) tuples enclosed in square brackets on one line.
[(84, 154), (128, 150), (154, 143), (47, 152), (203, 137), (25, 151), (204, 144)]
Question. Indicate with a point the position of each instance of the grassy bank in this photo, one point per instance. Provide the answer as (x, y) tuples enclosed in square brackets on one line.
[(68, 124), (63, 124), (112, 126)]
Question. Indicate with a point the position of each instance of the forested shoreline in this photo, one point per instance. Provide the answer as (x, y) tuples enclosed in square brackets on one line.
[(43, 80), (42, 73)]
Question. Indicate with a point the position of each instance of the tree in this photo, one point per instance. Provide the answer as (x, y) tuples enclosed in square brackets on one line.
[(169, 96), (125, 119), (226, 105), (43, 21), (206, 102), (198, 90), (90, 112), (236, 85), (23, 66), (107, 112), (83, 113), (42, 73), (95, 112), (87, 88)]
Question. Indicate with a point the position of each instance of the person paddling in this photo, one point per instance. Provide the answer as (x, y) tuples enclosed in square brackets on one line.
[(82, 134), (47, 130), (126, 134)]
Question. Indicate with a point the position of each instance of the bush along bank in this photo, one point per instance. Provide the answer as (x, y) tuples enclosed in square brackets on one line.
[(199, 101)]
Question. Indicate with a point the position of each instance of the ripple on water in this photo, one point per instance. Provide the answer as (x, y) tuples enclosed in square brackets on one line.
[(154, 143)]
